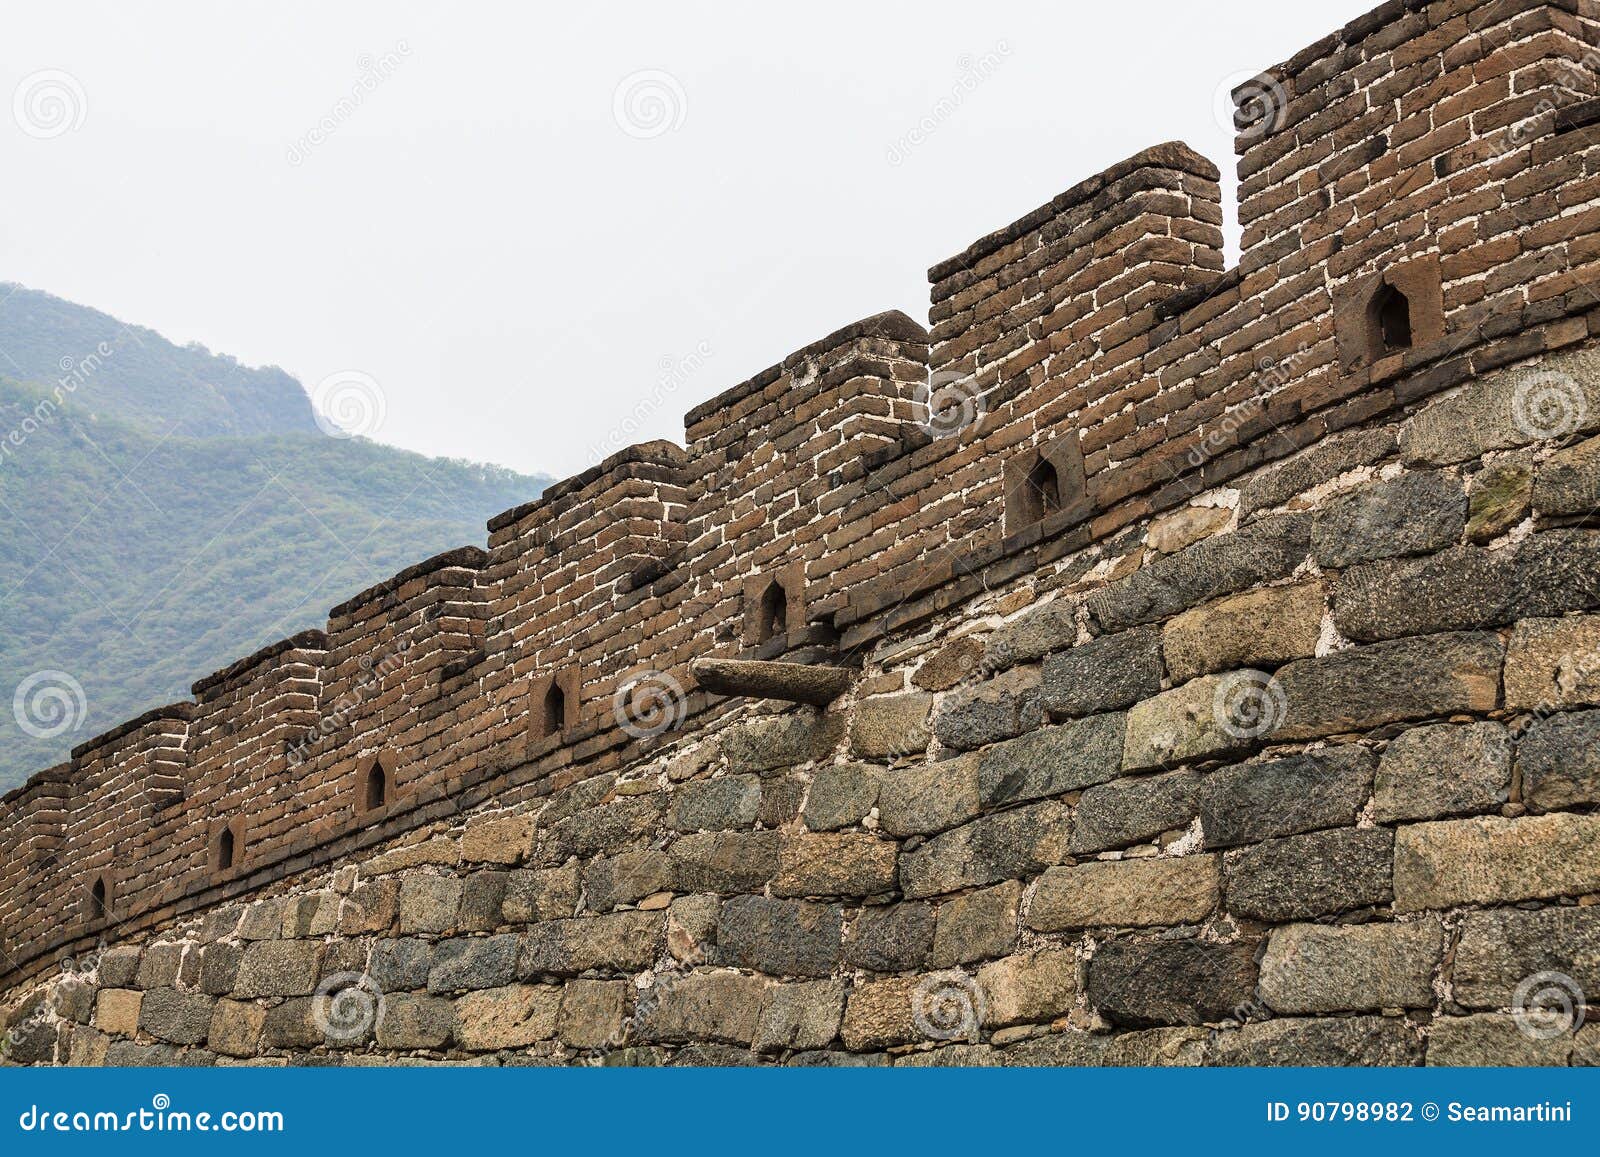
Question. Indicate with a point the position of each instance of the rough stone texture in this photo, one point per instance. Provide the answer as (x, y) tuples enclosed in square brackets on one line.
[(951, 664), (1311, 468), (624, 941), (893, 938), (541, 894), (1052, 761), (781, 937), (1554, 663), (1558, 761), (279, 968), (219, 968), (1125, 894), (1416, 513), (1267, 550), (716, 804), (181, 1018), (720, 1006), (116, 1010), (626, 878), (1304, 877), (1001, 708), (724, 861), (1264, 798), (1150, 1048), (1489, 1040), (1185, 724), (891, 726), (1502, 948), (1105, 674), (1185, 526), (834, 864), (977, 926), (1569, 482), (1051, 627), (803, 1015), (488, 962), (878, 1014), (1312, 968), (1134, 810), (781, 741), (1005, 845), (429, 903), (498, 840), (1321, 1042), (592, 1012), (793, 682), (1388, 682), (1488, 860), (398, 965), (929, 797), (415, 1022), (1033, 986), (1254, 629), (1441, 770), (1170, 982), (840, 796), (1499, 499), (235, 1028)]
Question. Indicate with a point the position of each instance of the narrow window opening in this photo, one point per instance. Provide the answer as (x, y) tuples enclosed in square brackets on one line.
[(555, 709), (98, 905), (1044, 490), (376, 792), (225, 850), (1391, 320), (774, 612)]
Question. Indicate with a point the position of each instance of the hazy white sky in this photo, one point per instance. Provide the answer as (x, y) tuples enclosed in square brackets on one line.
[(548, 231)]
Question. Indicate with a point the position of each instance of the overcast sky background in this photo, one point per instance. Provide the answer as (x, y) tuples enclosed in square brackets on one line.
[(536, 252)]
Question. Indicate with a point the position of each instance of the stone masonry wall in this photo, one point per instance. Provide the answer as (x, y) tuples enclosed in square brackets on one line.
[(1223, 651)]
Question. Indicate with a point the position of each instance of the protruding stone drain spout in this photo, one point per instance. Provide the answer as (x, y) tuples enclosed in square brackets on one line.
[(793, 682)]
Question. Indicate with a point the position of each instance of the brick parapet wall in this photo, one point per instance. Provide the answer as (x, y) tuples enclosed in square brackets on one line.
[(1099, 332)]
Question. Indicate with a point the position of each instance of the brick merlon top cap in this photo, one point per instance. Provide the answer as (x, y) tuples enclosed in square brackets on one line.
[(183, 710), (472, 557), (1170, 155), (657, 453), (305, 640), (891, 324)]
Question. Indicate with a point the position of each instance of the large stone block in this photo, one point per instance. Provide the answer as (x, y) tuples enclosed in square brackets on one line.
[(182, 1018), (929, 797), (116, 1010), (1126, 894), (781, 937), (293, 1025), (415, 1022), (501, 839), (161, 963), (834, 864), (399, 965), (1500, 498), (724, 861), (1321, 1042), (1106, 674), (1416, 513), (620, 942), (769, 742), (279, 968), (1031, 636), (891, 938), (1444, 769), (1554, 663), (717, 1006), (219, 967), (714, 805), (1264, 798), (1367, 687), (1052, 761), (510, 1017), (879, 1014), (592, 1013), (840, 796), (1489, 860), (1500, 950), (1568, 482), (1319, 463), (625, 878), (473, 962), (429, 903), (891, 726), (802, 1015), (1029, 987), (1134, 810), (1254, 629), (1270, 549), (1170, 982), (236, 1028), (1312, 968), (978, 925), (1204, 718), (1559, 761), (999, 708), (608, 827), (1149, 1048), (1003, 846), (1304, 877), (1488, 1040)]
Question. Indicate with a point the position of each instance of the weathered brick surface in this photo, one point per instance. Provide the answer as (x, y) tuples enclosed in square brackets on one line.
[(1294, 664)]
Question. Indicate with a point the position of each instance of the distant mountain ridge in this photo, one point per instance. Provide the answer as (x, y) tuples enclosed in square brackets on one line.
[(173, 511)]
